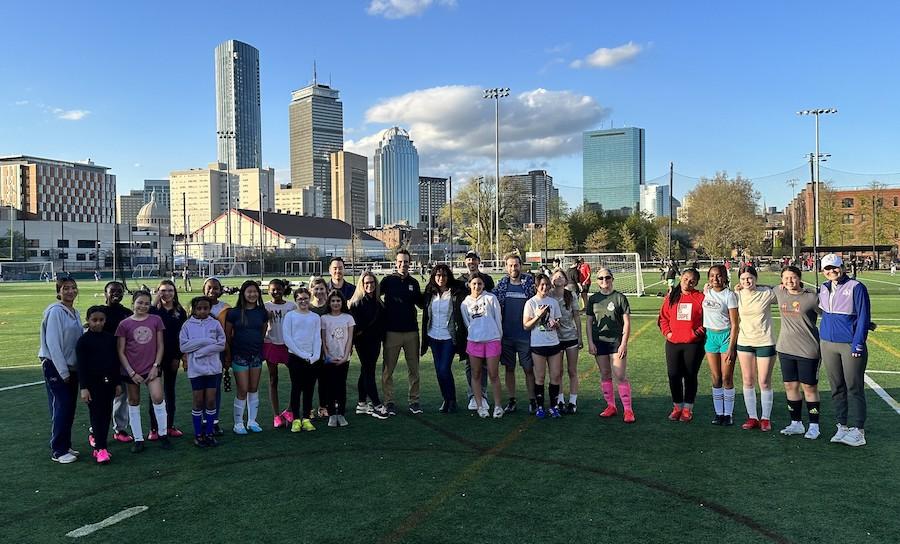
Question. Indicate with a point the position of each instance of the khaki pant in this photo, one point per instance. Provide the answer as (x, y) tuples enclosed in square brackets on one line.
[(393, 342)]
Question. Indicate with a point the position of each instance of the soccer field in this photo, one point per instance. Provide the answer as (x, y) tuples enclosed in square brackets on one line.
[(455, 477)]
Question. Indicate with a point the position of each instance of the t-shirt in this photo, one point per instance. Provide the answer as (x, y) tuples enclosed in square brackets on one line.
[(607, 314), (274, 333), (755, 310), (247, 335), (567, 329), (140, 341), (514, 308), (715, 308), (337, 334), (799, 335), (542, 334)]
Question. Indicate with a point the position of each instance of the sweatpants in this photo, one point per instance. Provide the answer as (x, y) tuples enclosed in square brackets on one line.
[(120, 412), (101, 408), (334, 381), (62, 398), (367, 386), (683, 364), (846, 374), (393, 343), (168, 378), (303, 382)]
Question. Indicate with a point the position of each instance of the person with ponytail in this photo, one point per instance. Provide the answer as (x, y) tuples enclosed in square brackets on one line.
[(681, 322), (720, 319), (245, 330)]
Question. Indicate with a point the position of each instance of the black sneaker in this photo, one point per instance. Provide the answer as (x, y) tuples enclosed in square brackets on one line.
[(532, 406), (728, 421), (391, 409), (571, 408), (452, 407), (510, 406), (200, 441), (561, 407), (210, 441), (444, 407), (164, 442), (137, 447), (217, 431), (718, 420), (415, 408)]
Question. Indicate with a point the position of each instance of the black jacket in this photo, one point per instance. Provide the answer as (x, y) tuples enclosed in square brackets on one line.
[(97, 360), (401, 296), (369, 317)]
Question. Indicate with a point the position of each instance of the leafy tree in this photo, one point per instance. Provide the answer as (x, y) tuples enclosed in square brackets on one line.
[(723, 214), (473, 213), (627, 242), (597, 241)]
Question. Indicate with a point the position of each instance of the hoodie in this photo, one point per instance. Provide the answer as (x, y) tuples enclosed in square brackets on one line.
[(684, 319), (202, 340)]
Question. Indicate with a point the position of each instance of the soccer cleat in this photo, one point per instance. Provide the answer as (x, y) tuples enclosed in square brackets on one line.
[(483, 411), (277, 422), (561, 407), (332, 421), (307, 425), (813, 432), (165, 443), (728, 421), (137, 447), (532, 406), (555, 413), (686, 415), (102, 457), (511, 406), (415, 408), (342, 421), (854, 437), (287, 416), (240, 429), (91, 440), (296, 426), (63, 459), (174, 432), (211, 441), (472, 405), (539, 413), (629, 416), (796, 427), (363, 408), (571, 409), (323, 412), (123, 437), (610, 411), (751, 423), (153, 436), (379, 412), (675, 414), (253, 426), (765, 425), (200, 441), (498, 411), (842, 431), (718, 420)]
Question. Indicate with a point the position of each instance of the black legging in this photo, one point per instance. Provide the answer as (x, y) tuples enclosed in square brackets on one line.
[(334, 378), (367, 386), (303, 380), (683, 362), (168, 378), (100, 409)]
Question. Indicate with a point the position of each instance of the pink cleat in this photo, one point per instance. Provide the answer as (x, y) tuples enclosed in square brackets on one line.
[(102, 457)]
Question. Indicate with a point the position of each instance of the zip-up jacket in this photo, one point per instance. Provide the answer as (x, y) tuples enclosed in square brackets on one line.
[(98, 360), (846, 312), (60, 330), (202, 340), (684, 320)]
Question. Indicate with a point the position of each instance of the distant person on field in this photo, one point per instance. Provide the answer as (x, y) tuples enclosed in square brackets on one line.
[(584, 276), (186, 279)]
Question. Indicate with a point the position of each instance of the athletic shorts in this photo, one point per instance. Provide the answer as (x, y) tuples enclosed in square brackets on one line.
[(717, 341), (799, 369), (546, 351), (484, 350), (566, 344), (607, 348), (275, 353), (129, 379), (759, 351), (241, 363), (511, 348), (200, 383)]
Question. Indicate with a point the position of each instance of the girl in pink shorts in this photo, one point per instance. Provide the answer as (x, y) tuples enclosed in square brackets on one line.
[(481, 314), (274, 351)]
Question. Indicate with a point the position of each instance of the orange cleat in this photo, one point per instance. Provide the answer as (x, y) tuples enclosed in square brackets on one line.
[(610, 411), (629, 416), (686, 415), (751, 423), (675, 415)]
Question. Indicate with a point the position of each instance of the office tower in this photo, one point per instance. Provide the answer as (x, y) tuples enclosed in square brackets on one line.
[(350, 188), (128, 206), (655, 200), (238, 125), (316, 118), (537, 194), (432, 195), (613, 168), (396, 179), (161, 188)]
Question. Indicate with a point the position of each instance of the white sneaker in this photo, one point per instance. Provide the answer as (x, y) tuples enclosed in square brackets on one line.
[(796, 427), (472, 405), (379, 412), (813, 431), (840, 434), (363, 408), (854, 437), (342, 421), (498, 411), (332, 421), (483, 410), (64, 459)]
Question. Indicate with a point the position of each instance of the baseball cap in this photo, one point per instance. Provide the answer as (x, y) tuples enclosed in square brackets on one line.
[(472, 255), (831, 260)]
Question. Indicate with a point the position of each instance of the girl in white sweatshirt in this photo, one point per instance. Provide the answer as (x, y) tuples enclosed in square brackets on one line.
[(481, 314), (302, 330)]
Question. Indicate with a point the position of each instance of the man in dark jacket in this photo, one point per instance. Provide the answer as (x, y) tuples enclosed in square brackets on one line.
[(402, 295)]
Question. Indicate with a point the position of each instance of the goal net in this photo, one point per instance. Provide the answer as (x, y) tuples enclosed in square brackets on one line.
[(303, 268), (223, 268), (23, 271), (145, 271), (625, 267)]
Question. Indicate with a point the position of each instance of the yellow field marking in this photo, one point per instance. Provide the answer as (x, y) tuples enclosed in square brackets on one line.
[(884, 346)]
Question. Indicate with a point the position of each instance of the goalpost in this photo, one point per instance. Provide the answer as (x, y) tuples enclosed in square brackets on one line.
[(223, 268), (303, 268), (626, 268), (141, 271), (24, 271)]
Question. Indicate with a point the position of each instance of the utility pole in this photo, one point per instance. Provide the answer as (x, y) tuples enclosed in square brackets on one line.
[(546, 219), (531, 199), (450, 184), (793, 182), (671, 205)]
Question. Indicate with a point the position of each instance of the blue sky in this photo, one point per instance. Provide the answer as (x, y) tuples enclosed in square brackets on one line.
[(715, 85)]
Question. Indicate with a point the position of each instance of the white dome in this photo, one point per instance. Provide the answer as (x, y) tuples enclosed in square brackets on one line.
[(152, 214)]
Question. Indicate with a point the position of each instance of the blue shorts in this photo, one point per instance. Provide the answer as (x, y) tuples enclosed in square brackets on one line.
[(717, 341), (241, 363), (205, 382)]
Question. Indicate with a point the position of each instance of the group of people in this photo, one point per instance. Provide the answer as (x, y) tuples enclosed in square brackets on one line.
[(532, 322)]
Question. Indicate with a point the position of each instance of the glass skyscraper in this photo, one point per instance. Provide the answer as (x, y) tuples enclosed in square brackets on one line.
[(396, 179), (613, 168), (238, 125), (316, 131)]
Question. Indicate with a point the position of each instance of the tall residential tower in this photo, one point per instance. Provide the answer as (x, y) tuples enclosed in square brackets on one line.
[(238, 126), (613, 169)]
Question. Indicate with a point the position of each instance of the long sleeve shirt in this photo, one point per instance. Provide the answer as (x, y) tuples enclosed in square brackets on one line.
[(98, 360), (60, 330), (482, 318), (303, 334), (684, 319), (401, 296), (202, 340)]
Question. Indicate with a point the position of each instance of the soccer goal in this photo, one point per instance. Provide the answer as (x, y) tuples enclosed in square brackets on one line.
[(145, 271), (626, 268), (303, 268), (24, 271), (223, 268)]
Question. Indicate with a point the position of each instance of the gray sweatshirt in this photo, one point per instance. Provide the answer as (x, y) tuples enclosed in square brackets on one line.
[(202, 340), (60, 330)]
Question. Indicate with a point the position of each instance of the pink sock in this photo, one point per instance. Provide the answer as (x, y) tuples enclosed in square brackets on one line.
[(625, 394), (607, 386)]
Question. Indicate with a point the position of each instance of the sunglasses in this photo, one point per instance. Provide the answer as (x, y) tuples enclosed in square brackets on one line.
[(604, 278), (830, 268)]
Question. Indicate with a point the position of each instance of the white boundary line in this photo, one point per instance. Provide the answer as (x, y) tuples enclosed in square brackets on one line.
[(111, 520), (882, 371), (883, 394), (8, 388), (19, 366)]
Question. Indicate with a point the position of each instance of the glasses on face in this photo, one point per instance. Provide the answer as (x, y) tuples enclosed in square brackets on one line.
[(602, 278), (368, 283), (830, 268)]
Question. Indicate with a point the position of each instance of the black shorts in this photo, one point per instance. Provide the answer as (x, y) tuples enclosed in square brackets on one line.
[(546, 351), (566, 344), (607, 348), (799, 369)]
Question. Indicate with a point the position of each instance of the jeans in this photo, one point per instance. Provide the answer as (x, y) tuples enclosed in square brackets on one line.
[(62, 397), (442, 352)]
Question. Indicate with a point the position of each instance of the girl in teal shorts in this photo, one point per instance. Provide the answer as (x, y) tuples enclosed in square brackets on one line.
[(720, 319)]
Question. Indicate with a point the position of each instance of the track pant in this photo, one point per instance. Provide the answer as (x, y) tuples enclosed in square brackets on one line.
[(120, 419), (334, 380), (100, 408), (442, 352), (846, 374), (304, 375), (683, 364), (366, 386), (168, 377), (393, 343), (62, 397)]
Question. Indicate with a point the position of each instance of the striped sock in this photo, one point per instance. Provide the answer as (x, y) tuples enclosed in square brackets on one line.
[(197, 418), (729, 401), (719, 400)]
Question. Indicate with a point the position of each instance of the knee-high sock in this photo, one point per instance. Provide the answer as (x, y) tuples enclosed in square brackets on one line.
[(729, 401), (750, 403), (794, 409), (625, 395), (539, 394), (719, 400), (160, 411), (239, 411), (134, 419), (813, 409), (211, 416), (252, 407), (767, 396), (197, 418), (554, 394), (608, 395)]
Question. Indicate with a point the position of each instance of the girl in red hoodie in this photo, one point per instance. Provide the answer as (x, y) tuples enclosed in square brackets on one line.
[(681, 322)]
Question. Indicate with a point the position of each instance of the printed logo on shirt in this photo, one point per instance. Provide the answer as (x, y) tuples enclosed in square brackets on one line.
[(684, 311), (142, 335), (712, 304), (515, 294), (479, 309), (610, 306), (338, 333), (410, 288)]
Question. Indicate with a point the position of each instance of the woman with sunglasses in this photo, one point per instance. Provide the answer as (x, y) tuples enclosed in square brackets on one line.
[(681, 322), (443, 329), (609, 320)]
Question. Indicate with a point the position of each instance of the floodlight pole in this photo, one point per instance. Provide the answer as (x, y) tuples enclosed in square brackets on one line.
[(496, 94)]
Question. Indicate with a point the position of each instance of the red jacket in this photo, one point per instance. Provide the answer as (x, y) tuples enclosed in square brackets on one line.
[(684, 320)]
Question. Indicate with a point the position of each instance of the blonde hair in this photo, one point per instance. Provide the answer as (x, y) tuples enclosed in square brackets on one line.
[(360, 293)]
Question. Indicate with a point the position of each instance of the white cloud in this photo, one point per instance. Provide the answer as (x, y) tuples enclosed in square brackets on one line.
[(21, 102), (398, 9), (70, 115), (453, 127), (607, 57), (137, 165)]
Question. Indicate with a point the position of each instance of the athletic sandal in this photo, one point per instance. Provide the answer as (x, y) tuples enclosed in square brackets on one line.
[(610, 411), (751, 423)]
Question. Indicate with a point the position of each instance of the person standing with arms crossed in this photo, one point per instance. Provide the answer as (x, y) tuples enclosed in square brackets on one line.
[(512, 292)]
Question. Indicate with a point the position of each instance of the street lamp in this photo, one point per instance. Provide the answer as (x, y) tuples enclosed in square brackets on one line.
[(227, 135), (817, 113), (496, 94)]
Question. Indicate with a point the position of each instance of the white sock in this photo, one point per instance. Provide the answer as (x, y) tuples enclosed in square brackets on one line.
[(161, 417), (767, 396), (573, 398), (729, 401), (560, 398), (718, 400), (252, 407), (750, 403), (239, 411), (134, 419)]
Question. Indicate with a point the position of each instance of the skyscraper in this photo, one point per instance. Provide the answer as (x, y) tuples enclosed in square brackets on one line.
[(350, 188), (396, 179), (316, 130), (432, 195), (655, 200), (613, 168), (238, 126), (536, 191)]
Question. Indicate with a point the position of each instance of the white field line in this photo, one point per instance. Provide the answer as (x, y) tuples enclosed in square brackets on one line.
[(111, 520), (21, 385), (873, 385), (19, 366), (882, 371)]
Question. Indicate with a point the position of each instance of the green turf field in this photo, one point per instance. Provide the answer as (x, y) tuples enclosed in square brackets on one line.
[(457, 478)]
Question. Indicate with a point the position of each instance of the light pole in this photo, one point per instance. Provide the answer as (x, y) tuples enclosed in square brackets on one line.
[(816, 186), (793, 183), (496, 94), (227, 135)]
